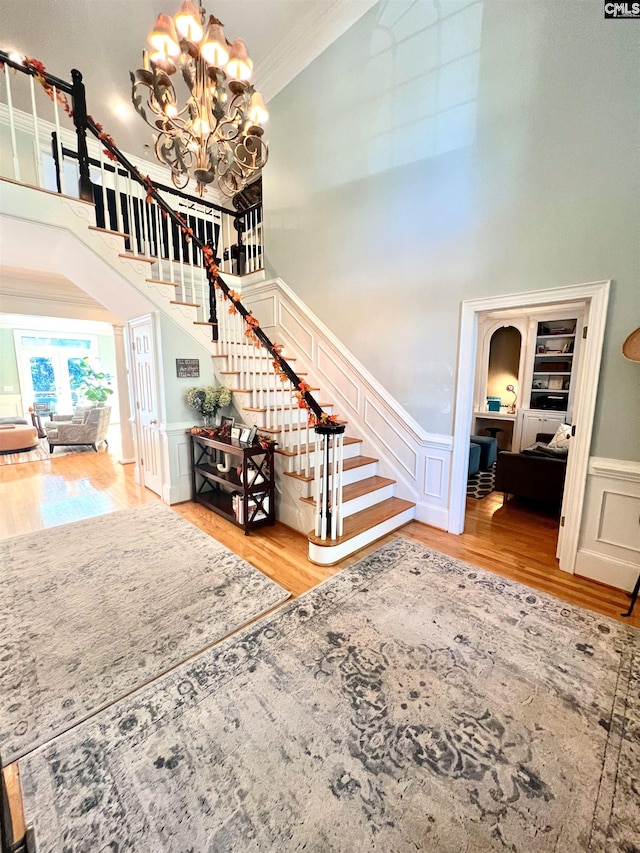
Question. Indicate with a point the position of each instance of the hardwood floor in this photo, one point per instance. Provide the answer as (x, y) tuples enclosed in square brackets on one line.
[(513, 541)]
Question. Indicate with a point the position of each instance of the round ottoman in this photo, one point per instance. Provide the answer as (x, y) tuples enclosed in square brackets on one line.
[(16, 437)]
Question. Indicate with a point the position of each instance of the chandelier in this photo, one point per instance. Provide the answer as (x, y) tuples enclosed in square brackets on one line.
[(216, 136)]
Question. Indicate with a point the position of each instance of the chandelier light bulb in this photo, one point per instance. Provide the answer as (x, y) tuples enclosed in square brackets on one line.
[(163, 62), (239, 65), (214, 48), (164, 37), (201, 126), (188, 22), (258, 113), (171, 111)]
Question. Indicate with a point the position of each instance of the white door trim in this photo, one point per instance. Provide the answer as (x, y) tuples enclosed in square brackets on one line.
[(596, 295)]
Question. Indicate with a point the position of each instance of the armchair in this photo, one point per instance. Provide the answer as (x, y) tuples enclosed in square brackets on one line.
[(88, 428), (532, 474)]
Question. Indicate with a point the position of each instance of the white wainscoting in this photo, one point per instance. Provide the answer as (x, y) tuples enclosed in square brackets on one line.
[(419, 461), (609, 547), (176, 461)]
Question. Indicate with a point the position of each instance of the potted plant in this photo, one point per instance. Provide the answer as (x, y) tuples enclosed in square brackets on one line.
[(208, 401), (93, 384)]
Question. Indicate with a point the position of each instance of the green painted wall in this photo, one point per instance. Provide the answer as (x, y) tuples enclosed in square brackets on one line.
[(450, 151), (8, 363)]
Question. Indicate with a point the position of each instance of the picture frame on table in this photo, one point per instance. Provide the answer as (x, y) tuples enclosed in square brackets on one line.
[(235, 433), (226, 422), (244, 435), (252, 435)]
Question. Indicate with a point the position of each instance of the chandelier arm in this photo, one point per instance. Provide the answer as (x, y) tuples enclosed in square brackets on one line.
[(215, 280)]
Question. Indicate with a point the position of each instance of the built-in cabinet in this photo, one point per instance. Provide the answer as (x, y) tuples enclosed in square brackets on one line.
[(551, 384), (543, 373), (535, 422)]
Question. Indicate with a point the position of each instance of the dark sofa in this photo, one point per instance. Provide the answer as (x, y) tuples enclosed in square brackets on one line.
[(537, 473)]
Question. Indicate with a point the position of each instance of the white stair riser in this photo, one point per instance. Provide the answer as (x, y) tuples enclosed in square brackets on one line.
[(363, 501), (366, 501), (293, 464), (354, 475), (328, 555), (278, 417)]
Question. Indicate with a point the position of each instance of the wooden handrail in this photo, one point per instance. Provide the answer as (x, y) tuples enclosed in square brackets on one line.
[(215, 280)]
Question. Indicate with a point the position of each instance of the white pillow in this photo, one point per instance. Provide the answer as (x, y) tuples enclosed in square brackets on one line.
[(562, 436)]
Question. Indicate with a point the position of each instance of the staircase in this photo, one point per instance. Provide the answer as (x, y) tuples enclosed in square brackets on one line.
[(330, 485), (369, 507)]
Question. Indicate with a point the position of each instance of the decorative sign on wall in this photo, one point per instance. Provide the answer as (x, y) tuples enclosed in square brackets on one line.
[(187, 368)]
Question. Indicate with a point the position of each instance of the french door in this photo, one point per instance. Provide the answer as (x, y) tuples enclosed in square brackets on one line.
[(49, 367)]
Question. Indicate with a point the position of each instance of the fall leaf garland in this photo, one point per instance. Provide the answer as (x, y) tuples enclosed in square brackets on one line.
[(38, 70)]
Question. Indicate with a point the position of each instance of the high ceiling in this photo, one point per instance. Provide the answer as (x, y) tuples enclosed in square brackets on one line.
[(104, 39)]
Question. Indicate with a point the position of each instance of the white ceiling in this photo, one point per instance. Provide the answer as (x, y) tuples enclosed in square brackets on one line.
[(104, 39)]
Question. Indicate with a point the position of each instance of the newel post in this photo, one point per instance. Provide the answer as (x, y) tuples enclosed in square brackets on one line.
[(80, 122), (328, 480), (213, 314)]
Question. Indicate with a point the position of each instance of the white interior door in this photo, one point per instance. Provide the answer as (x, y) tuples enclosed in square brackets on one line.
[(145, 389)]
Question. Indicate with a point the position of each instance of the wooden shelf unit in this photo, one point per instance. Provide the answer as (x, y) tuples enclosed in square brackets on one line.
[(553, 364), (229, 493)]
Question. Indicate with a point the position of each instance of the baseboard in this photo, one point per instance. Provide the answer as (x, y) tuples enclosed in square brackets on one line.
[(597, 567), (434, 516)]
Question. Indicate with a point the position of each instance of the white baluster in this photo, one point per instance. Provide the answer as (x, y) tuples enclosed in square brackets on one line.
[(12, 125), (307, 451), (133, 235), (103, 188), (159, 242), (294, 437), (191, 252), (36, 135), (116, 187), (56, 117), (339, 467), (229, 267), (170, 249), (317, 484)]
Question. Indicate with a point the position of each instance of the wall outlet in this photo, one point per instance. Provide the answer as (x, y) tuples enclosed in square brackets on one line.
[(8, 389)]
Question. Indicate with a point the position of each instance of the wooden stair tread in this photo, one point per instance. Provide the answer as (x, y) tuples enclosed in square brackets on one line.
[(261, 354), (203, 323), (347, 465), (364, 520), (108, 231), (142, 258), (303, 424), (188, 304), (159, 281), (264, 373), (362, 487), (295, 450), (279, 408)]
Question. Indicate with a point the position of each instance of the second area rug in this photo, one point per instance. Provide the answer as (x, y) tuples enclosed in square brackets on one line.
[(92, 610), (410, 703)]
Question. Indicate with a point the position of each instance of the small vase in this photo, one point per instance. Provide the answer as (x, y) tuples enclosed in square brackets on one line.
[(209, 420)]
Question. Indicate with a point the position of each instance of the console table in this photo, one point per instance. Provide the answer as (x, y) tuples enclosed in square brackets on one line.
[(234, 480)]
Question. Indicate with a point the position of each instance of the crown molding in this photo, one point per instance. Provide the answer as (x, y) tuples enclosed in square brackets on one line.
[(311, 34)]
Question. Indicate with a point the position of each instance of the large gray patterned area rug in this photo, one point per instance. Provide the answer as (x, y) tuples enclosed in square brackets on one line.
[(92, 610), (410, 703)]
